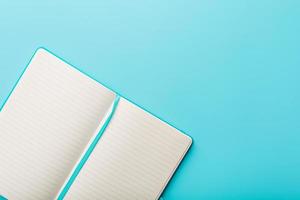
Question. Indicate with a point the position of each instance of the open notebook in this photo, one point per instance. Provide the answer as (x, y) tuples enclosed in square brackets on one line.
[(64, 135)]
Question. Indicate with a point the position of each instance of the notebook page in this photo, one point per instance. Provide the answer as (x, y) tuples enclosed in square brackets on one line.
[(134, 159), (45, 125)]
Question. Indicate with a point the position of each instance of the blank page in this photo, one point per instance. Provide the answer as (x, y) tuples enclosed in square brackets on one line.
[(134, 159), (45, 125)]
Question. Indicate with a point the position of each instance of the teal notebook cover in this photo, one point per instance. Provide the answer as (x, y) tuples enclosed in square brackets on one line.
[(24, 79)]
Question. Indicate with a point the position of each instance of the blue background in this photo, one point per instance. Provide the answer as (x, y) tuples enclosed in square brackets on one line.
[(224, 72)]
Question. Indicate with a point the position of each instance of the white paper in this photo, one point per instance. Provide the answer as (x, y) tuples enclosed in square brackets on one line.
[(45, 125), (134, 160)]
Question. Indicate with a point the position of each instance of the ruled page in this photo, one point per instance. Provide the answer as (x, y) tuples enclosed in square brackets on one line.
[(134, 159), (45, 125)]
